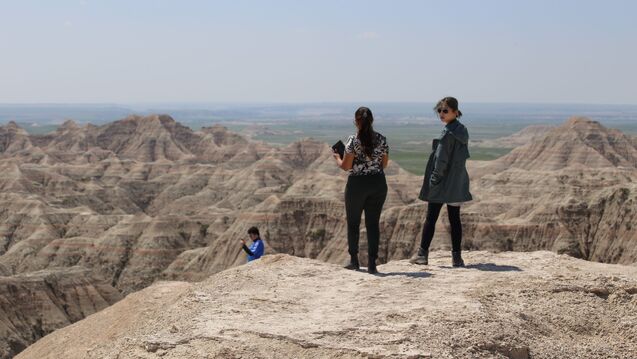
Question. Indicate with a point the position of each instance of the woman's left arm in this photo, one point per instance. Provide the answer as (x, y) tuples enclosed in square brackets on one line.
[(441, 166)]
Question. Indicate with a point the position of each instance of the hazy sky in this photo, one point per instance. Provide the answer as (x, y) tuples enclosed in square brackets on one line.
[(314, 51)]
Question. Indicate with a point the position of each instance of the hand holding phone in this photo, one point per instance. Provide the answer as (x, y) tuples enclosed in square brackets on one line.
[(339, 148)]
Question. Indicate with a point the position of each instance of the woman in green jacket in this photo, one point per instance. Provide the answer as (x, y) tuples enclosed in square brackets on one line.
[(446, 180)]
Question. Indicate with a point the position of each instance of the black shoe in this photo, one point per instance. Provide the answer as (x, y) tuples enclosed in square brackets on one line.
[(371, 266), (457, 259), (421, 258), (353, 263)]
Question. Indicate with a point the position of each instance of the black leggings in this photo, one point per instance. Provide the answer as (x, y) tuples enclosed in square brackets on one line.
[(428, 229), (364, 193)]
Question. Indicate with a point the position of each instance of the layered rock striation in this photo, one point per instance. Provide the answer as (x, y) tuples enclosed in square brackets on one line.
[(35, 304), (145, 198)]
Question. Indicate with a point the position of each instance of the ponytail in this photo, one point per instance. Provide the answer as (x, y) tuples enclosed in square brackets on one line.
[(364, 119)]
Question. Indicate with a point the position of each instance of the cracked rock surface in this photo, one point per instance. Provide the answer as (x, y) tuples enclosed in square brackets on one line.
[(506, 305)]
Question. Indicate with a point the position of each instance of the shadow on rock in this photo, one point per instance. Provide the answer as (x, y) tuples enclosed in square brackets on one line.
[(492, 267), (406, 274)]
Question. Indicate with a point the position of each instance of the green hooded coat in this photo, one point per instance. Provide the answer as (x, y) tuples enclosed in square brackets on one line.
[(446, 178)]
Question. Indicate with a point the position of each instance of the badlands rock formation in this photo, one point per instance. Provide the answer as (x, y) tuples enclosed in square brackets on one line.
[(574, 191), (580, 142), (35, 304), (145, 198), (508, 305), (520, 138)]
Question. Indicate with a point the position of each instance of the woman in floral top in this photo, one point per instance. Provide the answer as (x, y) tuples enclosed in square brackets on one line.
[(366, 156)]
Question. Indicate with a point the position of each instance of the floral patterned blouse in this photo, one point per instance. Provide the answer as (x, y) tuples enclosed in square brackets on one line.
[(363, 165)]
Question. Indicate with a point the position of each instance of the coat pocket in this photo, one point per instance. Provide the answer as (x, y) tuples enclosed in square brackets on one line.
[(435, 189)]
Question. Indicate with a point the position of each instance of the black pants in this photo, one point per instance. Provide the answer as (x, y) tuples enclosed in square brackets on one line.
[(364, 193), (428, 229)]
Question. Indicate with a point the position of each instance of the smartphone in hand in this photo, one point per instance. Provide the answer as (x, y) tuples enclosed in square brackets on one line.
[(339, 148)]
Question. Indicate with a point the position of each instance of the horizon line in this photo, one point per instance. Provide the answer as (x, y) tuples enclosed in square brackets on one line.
[(252, 103)]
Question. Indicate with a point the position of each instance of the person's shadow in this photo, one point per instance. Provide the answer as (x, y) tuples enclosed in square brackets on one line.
[(490, 267), (486, 267), (405, 274)]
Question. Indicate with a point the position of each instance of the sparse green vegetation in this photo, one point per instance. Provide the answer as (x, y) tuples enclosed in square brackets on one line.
[(411, 160), (487, 154), (410, 143)]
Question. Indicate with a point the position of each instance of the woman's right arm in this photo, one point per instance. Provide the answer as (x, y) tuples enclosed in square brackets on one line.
[(385, 160), (346, 163)]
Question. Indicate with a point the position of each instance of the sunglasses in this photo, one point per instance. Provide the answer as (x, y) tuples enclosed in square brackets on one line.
[(445, 110)]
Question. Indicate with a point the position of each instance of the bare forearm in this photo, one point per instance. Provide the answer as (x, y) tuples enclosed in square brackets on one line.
[(341, 165)]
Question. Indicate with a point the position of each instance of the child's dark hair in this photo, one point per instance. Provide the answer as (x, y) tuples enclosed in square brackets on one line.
[(450, 102), (253, 230), (364, 119)]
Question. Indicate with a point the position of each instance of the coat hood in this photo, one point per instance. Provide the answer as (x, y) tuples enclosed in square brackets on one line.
[(458, 131)]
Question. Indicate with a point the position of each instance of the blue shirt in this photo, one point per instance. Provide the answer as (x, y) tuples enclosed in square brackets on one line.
[(257, 249)]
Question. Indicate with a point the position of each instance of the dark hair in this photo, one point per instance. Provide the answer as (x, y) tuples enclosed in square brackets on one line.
[(253, 230), (364, 119), (450, 102)]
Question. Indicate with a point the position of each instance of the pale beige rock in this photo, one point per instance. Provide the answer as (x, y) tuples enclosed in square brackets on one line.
[(508, 305), (578, 142), (520, 138)]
